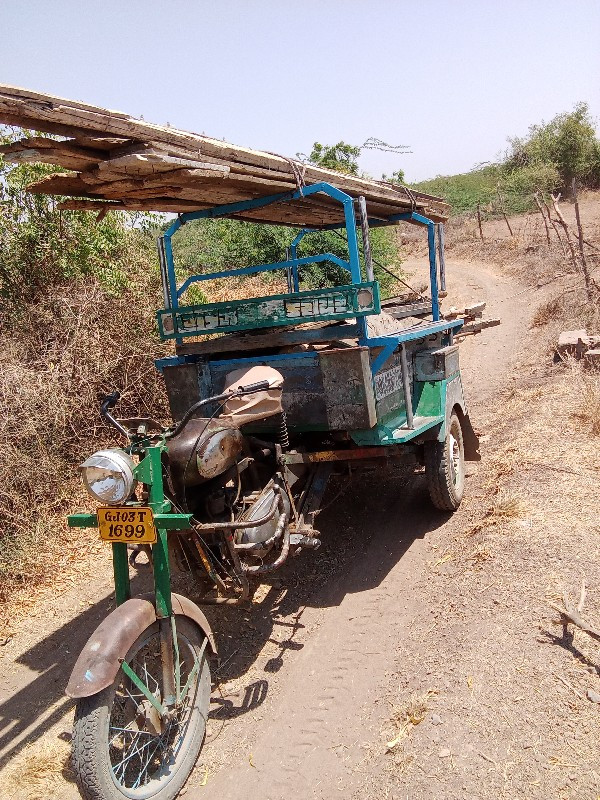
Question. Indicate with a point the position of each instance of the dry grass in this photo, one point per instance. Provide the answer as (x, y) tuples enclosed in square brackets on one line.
[(405, 716), (547, 311), (59, 357), (507, 505), (38, 772), (588, 411)]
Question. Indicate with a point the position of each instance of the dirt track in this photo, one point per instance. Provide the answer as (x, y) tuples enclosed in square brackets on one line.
[(302, 696), (311, 737)]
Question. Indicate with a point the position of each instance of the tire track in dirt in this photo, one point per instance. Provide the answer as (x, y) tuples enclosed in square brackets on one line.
[(322, 713), (326, 710)]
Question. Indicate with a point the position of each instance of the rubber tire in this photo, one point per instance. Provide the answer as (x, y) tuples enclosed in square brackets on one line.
[(90, 732), (446, 494)]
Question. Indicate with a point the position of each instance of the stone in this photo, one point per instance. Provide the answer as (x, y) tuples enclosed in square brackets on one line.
[(445, 752), (593, 696), (436, 719), (592, 357), (573, 343)]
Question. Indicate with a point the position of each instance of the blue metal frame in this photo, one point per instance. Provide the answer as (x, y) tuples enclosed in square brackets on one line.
[(353, 264), (293, 263), (389, 342)]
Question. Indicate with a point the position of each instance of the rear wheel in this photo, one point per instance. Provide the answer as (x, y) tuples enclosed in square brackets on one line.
[(122, 749), (445, 468)]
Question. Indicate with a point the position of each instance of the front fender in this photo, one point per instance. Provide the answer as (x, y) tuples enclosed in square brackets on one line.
[(455, 401), (100, 660)]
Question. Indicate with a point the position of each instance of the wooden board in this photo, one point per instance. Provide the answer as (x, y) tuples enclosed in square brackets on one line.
[(238, 343), (106, 148)]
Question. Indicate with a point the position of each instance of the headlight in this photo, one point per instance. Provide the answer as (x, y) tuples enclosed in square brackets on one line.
[(108, 476)]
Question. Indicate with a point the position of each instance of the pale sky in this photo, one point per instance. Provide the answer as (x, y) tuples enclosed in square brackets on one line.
[(450, 79)]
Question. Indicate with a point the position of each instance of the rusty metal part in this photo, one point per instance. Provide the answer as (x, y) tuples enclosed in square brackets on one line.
[(249, 546), (198, 435), (101, 657), (301, 540), (234, 524), (403, 452), (312, 497), (207, 565), (187, 608), (238, 567), (98, 662), (167, 661), (261, 569)]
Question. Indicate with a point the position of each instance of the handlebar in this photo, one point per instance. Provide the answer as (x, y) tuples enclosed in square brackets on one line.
[(111, 400), (249, 388)]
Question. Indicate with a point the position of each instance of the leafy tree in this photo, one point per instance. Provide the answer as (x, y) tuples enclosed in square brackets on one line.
[(568, 143), (396, 177), (341, 157)]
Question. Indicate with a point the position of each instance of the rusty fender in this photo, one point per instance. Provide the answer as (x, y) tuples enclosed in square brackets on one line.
[(100, 660)]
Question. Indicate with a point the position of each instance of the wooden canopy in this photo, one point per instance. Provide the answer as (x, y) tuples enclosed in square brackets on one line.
[(114, 161)]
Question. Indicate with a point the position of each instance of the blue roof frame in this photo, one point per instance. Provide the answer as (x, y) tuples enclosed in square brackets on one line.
[(172, 292)]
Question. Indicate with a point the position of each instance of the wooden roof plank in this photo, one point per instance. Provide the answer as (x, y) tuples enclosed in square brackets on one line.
[(143, 149)]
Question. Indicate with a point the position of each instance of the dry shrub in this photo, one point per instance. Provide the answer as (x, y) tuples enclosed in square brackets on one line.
[(547, 311), (507, 505), (59, 356)]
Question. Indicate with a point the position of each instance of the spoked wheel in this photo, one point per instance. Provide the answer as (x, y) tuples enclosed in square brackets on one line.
[(122, 746), (445, 468)]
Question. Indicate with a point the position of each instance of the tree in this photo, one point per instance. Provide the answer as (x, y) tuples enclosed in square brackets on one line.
[(396, 177), (568, 142), (341, 157)]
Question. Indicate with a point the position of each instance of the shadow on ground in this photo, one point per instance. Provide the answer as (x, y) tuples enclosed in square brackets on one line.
[(365, 532)]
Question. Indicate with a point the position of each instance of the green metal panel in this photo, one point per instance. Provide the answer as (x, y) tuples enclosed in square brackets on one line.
[(121, 572), (429, 402), (337, 302), (160, 550), (82, 520)]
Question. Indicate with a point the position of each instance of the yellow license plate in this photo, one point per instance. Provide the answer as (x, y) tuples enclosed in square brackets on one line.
[(132, 525)]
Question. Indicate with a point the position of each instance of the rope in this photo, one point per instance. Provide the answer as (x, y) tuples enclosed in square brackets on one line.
[(298, 170), (385, 269)]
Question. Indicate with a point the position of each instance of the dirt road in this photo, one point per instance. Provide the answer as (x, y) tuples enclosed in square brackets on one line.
[(304, 676)]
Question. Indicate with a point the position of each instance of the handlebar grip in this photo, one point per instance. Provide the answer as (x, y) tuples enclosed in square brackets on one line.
[(110, 401), (249, 388)]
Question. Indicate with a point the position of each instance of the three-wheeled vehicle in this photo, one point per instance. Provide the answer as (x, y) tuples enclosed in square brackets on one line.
[(294, 385)]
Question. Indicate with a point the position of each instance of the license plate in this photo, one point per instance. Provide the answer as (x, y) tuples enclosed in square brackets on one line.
[(132, 525)]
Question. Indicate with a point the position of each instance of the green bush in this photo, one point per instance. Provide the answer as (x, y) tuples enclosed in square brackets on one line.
[(211, 245), (567, 143), (544, 161)]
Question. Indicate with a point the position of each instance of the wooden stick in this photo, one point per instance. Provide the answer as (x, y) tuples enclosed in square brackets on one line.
[(565, 227), (570, 615), (584, 267), (501, 200), (479, 221), (581, 602), (539, 205), (556, 231)]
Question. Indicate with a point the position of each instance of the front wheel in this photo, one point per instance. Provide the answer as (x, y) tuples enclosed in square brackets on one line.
[(445, 468), (122, 748)]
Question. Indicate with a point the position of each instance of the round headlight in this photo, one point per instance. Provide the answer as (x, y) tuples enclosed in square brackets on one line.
[(108, 476)]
